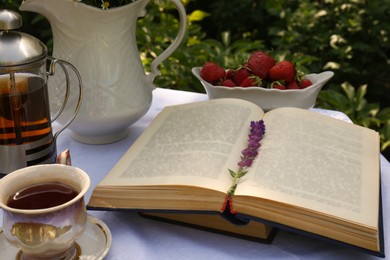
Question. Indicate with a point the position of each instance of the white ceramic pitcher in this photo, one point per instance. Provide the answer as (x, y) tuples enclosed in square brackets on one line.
[(101, 44)]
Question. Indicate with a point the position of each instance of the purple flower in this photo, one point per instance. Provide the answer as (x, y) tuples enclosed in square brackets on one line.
[(256, 134), (253, 145), (249, 152), (245, 162), (255, 138)]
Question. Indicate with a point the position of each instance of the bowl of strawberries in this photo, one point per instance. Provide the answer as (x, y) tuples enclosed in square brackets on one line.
[(263, 81)]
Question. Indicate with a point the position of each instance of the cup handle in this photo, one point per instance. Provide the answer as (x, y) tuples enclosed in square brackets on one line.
[(174, 45), (51, 72)]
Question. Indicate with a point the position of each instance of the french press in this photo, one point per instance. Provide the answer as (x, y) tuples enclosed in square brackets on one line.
[(26, 136)]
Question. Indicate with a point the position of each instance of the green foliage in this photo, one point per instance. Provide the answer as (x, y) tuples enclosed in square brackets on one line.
[(349, 37)]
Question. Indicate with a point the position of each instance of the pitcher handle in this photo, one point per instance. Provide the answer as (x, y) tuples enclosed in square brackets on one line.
[(174, 45), (51, 72)]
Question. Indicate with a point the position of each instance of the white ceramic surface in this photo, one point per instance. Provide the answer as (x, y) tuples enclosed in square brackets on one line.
[(95, 242), (102, 45), (269, 99)]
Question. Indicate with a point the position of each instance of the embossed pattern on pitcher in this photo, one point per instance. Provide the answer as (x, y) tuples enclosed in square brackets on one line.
[(102, 45)]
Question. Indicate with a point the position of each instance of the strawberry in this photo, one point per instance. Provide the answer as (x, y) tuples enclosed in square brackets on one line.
[(240, 74), (259, 63), (284, 70), (278, 85), (228, 83), (305, 83), (229, 74), (292, 85), (281, 87), (212, 72), (251, 81)]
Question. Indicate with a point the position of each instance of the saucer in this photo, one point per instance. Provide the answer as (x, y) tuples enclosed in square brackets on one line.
[(94, 242)]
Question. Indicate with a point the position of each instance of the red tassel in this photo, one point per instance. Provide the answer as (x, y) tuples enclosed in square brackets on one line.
[(231, 207), (228, 202), (224, 205)]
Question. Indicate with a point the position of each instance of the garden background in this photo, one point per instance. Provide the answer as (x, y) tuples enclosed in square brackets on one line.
[(351, 38)]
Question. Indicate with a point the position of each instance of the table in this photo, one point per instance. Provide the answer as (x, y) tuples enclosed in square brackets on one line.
[(135, 237)]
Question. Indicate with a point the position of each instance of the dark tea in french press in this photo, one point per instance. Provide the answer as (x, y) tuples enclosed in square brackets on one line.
[(24, 110)]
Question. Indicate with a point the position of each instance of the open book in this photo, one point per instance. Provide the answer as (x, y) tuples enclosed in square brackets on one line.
[(313, 173)]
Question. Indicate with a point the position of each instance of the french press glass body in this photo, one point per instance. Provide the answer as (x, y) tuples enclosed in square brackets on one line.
[(26, 134)]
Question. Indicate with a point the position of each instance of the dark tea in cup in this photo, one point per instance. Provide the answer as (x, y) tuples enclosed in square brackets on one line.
[(41, 196)]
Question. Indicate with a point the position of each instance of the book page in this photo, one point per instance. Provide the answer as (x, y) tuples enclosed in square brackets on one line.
[(317, 162), (192, 144)]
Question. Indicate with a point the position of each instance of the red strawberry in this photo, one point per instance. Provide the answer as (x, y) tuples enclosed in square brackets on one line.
[(259, 63), (212, 72), (251, 81), (292, 85), (278, 85), (228, 83), (305, 83), (229, 74), (240, 74), (284, 70)]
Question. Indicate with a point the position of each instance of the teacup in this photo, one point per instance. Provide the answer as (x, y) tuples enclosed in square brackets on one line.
[(46, 227)]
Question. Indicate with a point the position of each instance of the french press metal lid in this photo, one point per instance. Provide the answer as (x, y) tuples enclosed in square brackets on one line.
[(23, 51)]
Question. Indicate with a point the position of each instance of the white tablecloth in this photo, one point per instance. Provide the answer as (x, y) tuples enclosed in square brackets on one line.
[(135, 237)]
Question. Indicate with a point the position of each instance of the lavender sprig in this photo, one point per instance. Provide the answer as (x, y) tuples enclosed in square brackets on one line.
[(257, 131)]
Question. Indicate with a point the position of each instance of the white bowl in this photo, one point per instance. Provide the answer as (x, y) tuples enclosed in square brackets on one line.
[(269, 99)]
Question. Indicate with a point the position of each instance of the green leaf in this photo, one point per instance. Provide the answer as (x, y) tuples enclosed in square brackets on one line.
[(335, 99), (349, 90), (197, 15), (384, 114), (362, 90), (385, 145), (360, 101), (241, 173), (232, 173)]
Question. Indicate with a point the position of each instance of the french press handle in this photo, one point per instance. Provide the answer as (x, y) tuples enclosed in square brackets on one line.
[(51, 71)]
